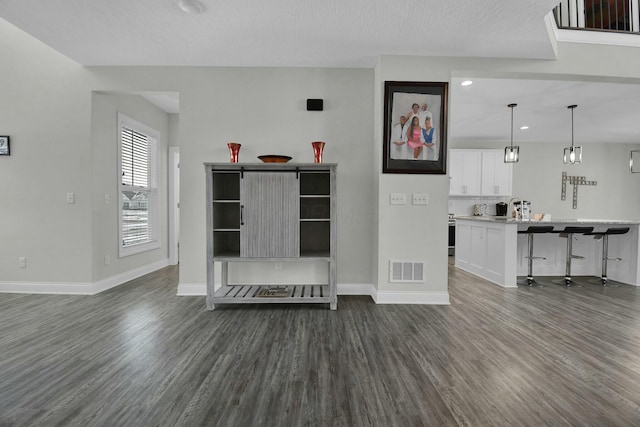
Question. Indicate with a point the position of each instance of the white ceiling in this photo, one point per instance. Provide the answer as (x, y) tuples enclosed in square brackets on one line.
[(301, 33), (605, 112), (337, 33)]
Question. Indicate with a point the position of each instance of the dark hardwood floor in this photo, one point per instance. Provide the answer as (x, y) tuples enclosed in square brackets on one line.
[(137, 355)]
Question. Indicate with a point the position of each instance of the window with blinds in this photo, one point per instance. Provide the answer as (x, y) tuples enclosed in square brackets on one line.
[(138, 186)]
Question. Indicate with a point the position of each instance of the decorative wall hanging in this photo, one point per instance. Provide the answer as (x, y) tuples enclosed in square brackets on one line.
[(575, 181), (5, 149), (415, 127)]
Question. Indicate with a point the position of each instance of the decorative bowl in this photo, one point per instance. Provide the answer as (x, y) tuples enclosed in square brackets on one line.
[(274, 158)]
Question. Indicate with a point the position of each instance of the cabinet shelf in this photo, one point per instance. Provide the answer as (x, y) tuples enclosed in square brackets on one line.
[(257, 213), (249, 294)]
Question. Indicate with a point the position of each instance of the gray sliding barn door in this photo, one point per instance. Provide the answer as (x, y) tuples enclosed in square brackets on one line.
[(270, 213)]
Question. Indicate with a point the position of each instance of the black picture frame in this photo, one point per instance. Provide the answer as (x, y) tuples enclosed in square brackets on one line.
[(5, 147), (399, 98)]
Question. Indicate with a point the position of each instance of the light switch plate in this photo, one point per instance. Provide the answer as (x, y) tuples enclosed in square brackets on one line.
[(398, 199)]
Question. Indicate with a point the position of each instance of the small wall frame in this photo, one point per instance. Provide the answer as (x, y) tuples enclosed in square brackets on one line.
[(5, 149)]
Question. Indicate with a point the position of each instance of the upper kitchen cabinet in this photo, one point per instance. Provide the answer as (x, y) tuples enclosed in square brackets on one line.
[(496, 174), (479, 173), (465, 172)]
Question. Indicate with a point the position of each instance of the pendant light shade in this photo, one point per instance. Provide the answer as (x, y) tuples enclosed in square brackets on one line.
[(511, 153), (572, 154)]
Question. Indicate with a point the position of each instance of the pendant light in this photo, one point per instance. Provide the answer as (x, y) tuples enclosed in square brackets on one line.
[(572, 154), (511, 153)]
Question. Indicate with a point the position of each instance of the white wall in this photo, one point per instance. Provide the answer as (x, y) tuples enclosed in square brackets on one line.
[(48, 115), (45, 109), (265, 111), (402, 228), (537, 177), (104, 132)]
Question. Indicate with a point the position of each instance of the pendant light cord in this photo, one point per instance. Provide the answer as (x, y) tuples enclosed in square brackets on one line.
[(512, 126), (511, 106), (572, 107)]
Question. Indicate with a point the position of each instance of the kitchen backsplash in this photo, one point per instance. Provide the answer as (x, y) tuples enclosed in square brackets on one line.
[(463, 206)]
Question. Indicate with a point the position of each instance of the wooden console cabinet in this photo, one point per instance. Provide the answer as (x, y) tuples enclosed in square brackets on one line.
[(270, 212)]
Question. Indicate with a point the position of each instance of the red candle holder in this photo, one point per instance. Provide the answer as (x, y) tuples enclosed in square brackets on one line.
[(234, 150), (318, 146)]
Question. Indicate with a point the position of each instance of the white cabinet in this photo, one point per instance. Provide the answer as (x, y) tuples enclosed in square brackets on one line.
[(479, 173), (488, 249), (496, 174), (465, 172), (270, 212)]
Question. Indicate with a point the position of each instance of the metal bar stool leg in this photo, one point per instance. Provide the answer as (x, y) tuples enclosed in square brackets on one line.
[(530, 257), (570, 231), (568, 281), (605, 258), (604, 235), (530, 280)]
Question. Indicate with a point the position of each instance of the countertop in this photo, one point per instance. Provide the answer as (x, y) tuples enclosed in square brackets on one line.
[(509, 220)]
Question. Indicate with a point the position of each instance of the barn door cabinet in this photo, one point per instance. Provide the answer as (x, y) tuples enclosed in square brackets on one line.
[(270, 212)]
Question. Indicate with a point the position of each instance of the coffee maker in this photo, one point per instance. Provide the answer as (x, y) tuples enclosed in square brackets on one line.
[(502, 208)]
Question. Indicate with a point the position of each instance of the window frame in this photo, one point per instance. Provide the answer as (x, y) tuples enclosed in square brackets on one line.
[(154, 213)]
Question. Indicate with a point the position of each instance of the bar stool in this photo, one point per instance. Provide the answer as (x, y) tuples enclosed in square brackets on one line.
[(530, 232), (569, 232), (604, 235)]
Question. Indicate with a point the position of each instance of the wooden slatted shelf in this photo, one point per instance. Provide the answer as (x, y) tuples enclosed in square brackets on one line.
[(309, 294)]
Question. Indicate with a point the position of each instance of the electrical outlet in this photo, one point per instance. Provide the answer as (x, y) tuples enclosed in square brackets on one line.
[(71, 198), (22, 262), (106, 199), (398, 199), (278, 266), (420, 199), (107, 260)]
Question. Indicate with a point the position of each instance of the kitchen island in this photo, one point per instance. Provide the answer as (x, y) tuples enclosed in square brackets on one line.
[(490, 247)]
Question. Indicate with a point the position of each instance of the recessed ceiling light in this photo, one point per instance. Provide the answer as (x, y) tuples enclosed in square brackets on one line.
[(524, 127), (466, 83), (193, 7)]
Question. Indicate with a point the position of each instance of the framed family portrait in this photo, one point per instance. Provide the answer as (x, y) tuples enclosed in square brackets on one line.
[(4, 146), (415, 127)]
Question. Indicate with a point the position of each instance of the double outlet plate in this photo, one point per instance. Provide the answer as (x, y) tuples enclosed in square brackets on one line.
[(416, 199)]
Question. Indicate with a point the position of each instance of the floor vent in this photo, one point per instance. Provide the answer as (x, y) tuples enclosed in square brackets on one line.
[(406, 271)]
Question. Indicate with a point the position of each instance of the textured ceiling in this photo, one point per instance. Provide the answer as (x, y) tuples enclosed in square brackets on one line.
[(605, 112), (319, 33)]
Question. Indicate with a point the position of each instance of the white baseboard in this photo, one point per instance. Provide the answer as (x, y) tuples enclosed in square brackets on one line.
[(80, 288), (384, 297), (46, 288), (426, 298), (119, 279), (192, 289), (356, 289)]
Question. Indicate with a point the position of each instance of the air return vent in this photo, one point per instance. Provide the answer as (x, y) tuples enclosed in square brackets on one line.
[(406, 271)]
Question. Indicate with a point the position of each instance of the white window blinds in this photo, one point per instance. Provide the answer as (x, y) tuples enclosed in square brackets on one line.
[(138, 193), (135, 158)]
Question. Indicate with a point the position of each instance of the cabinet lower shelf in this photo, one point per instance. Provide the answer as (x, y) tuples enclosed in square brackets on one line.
[(252, 294)]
